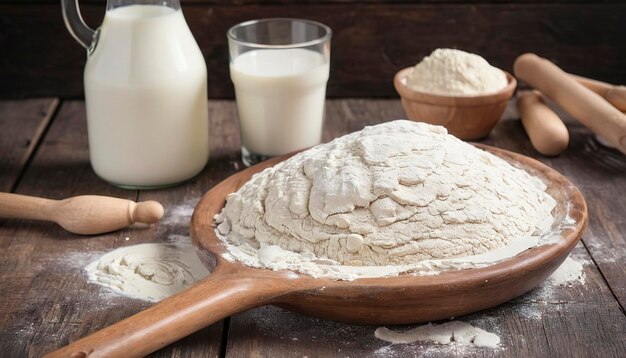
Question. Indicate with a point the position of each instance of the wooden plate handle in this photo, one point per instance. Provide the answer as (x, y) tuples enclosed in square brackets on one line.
[(223, 293), (588, 107)]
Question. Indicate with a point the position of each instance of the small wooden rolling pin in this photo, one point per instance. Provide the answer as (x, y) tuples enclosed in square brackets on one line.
[(615, 95), (546, 130), (583, 104), (85, 215)]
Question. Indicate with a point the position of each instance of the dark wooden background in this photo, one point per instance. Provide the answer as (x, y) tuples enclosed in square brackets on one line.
[(372, 39)]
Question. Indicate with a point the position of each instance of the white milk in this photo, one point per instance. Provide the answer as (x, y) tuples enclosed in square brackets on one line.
[(280, 99), (145, 88)]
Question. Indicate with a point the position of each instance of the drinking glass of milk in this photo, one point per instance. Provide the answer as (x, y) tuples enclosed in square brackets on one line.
[(145, 92), (280, 69)]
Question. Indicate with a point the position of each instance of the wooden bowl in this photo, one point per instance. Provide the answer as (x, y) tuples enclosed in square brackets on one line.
[(465, 117), (233, 287)]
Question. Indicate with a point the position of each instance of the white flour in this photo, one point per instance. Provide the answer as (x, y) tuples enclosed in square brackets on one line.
[(454, 72), (568, 273), (463, 334), (396, 197), (456, 332), (149, 272), (179, 215)]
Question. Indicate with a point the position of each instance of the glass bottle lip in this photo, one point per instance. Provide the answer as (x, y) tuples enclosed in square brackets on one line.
[(325, 37), (114, 4)]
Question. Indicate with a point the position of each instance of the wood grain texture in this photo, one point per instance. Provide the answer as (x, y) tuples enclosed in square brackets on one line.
[(179, 203), (600, 173), (45, 294), (550, 321), (545, 129), (615, 95), (84, 215), (370, 41), (22, 124), (576, 99), (234, 288), (45, 301)]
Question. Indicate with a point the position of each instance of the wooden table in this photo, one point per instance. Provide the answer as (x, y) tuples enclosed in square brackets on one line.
[(45, 301)]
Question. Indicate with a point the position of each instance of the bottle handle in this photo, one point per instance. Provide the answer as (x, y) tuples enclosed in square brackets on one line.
[(76, 25)]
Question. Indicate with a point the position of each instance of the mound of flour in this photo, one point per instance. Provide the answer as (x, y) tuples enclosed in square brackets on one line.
[(455, 72), (397, 193)]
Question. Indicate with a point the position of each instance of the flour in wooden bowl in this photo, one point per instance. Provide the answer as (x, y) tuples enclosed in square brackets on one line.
[(451, 72), (396, 197)]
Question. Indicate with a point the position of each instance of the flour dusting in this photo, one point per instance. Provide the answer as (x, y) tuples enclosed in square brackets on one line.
[(180, 215), (457, 332), (149, 272), (568, 273)]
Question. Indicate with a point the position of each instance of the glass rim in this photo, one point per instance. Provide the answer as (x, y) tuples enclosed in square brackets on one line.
[(326, 36)]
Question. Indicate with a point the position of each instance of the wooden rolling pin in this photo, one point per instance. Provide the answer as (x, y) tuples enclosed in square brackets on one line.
[(85, 215), (615, 95), (583, 104), (546, 130)]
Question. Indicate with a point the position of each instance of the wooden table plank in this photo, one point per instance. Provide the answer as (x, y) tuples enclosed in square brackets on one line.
[(45, 301), (22, 124), (600, 173), (179, 203), (370, 41), (550, 321)]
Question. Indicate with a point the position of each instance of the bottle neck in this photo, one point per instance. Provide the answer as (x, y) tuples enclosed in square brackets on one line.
[(113, 4)]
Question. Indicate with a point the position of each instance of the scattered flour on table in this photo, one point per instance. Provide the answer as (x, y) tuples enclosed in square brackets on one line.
[(174, 238), (396, 197), (568, 273), (149, 272), (179, 215), (457, 332), (455, 72)]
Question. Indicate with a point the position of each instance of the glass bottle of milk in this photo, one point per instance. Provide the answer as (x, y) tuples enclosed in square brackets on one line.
[(145, 92)]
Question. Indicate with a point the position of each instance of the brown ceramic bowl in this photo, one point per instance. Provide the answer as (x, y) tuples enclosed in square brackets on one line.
[(465, 117)]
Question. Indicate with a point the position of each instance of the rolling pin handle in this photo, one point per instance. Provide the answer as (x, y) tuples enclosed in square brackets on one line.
[(588, 107), (146, 212)]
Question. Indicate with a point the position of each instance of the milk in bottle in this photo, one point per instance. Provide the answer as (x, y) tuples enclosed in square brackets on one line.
[(145, 92)]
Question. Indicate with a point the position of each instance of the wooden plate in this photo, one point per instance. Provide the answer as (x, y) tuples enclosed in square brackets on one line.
[(233, 287), (410, 298)]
